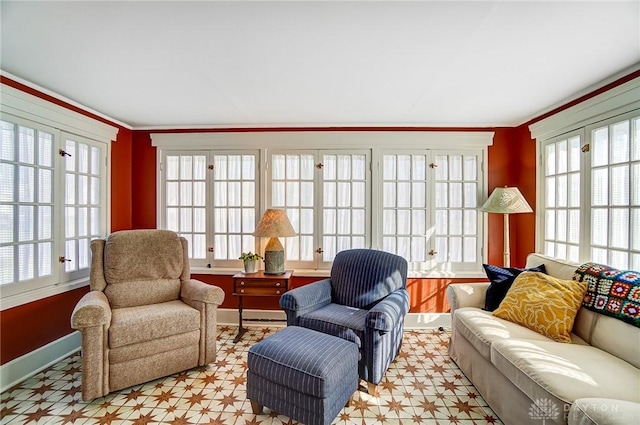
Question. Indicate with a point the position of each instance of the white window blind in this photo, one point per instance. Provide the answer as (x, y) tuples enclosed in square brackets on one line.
[(26, 209)]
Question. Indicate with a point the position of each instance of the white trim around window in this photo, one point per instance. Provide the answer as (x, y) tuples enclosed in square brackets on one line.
[(565, 165), (374, 143), (26, 109)]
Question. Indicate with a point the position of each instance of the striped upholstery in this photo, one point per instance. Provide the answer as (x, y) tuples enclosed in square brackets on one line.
[(337, 320), (306, 375), (362, 277), (365, 301)]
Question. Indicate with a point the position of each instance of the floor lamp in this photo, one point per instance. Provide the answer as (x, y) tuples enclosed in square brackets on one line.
[(506, 200)]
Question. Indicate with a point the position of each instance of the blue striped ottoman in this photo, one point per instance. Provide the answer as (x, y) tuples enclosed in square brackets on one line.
[(301, 373)]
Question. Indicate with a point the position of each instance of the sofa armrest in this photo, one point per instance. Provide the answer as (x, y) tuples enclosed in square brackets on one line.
[(385, 315), (305, 299), (466, 295), (196, 290), (93, 309)]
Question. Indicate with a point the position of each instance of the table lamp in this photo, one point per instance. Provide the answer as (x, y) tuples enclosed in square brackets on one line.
[(274, 224), (506, 200)]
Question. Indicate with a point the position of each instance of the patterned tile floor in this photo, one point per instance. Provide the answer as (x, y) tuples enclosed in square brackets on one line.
[(422, 386)]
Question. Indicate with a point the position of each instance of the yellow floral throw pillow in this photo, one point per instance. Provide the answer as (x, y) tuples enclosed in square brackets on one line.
[(543, 303)]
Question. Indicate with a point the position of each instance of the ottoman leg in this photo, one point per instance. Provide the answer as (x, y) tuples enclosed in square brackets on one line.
[(256, 408)]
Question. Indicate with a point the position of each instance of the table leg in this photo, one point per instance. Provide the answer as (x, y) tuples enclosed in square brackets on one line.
[(241, 329)]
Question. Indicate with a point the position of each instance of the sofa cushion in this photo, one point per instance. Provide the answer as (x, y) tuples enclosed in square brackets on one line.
[(562, 269), (618, 338), (133, 325), (501, 279), (481, 329), (564, 372), (544, 304), (611, 292), (337, 320)]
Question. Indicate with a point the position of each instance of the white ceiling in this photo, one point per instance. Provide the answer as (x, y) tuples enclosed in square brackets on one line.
[(194, 64)]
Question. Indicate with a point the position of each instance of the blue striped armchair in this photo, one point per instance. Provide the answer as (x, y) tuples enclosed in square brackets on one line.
[(364, 301)]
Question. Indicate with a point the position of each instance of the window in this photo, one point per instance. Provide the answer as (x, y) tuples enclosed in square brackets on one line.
[(353, 193), (235, 205), (26, 209), (33, 158), (562, 165), (457, 189), (84, 200), (590, 185), (615, 193), (53, 197)]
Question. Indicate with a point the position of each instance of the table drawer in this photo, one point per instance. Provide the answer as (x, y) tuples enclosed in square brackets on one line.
[(257, 290), (262, 283)]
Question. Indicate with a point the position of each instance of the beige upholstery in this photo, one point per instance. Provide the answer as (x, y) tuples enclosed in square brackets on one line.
[(514, 368), (144, 317)]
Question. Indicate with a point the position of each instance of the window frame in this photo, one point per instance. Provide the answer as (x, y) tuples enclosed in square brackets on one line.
[(15, 105), (617, 104), (588, 245), (335, 141)]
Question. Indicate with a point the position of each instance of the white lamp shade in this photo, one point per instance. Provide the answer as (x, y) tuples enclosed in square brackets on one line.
[(506, 200)]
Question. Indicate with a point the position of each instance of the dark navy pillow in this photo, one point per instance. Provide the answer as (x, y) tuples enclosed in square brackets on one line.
[(501, 279)]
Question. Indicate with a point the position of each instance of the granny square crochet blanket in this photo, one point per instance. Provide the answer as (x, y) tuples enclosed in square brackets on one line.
[(611, 292)]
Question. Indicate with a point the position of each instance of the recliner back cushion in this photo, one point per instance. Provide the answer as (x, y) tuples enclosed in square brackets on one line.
[(142, 267), (362, 277)]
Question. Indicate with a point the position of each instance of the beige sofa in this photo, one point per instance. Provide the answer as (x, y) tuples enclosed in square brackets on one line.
[(144, 317), (528, 378)]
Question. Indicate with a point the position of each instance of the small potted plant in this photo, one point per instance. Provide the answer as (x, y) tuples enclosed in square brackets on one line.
[(249, 259)]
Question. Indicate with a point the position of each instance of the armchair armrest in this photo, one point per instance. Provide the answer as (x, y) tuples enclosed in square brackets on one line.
[(93, 309), (466, 295), (195, 290), (385, 315), (304, 299)]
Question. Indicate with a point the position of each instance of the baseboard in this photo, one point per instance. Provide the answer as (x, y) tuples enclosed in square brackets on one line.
[(412, 320), (26, 366)]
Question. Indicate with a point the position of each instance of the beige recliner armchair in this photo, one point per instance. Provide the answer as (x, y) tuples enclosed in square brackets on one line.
[(144, 317)]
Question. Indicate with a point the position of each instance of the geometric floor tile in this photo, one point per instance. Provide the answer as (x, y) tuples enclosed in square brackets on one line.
[(422, 386)]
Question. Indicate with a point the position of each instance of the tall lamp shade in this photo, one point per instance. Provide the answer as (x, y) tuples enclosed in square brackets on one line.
[(274, 224), (506, 200)]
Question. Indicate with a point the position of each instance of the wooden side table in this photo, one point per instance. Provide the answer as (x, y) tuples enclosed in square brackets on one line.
[(258, 285)]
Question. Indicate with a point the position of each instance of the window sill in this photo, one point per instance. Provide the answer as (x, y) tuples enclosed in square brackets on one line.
[(40, 293)]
